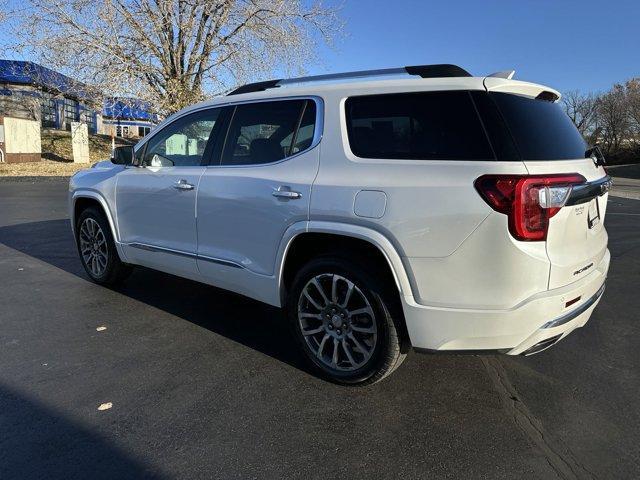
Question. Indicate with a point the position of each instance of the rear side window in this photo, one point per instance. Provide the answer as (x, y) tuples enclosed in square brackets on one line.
[(422, 126), (541, 129), (265, 132)]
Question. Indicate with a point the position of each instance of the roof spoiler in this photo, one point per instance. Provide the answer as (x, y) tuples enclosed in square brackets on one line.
[(506, 74), (424, 71)]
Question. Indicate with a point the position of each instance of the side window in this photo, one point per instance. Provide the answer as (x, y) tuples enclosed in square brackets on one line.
[(422, 126), (183, 142), (264, 132), (304, 134)]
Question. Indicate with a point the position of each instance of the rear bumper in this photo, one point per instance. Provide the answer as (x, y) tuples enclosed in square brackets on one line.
[(529, 327)]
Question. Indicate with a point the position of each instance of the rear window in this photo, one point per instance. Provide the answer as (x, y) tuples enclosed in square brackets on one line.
[(423, 126), (541, 129)]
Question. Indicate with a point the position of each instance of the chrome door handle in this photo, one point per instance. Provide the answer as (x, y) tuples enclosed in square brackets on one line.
[(183, 185), (286, 192)]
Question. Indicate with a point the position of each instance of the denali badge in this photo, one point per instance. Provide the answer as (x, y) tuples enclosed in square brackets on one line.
[(586, 267)]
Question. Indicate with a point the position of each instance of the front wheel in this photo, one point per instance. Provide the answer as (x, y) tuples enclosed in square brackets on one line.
[(340, 315), (97, 248)]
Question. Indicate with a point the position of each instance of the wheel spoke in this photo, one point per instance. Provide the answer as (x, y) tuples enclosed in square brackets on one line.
[(313, 331), (321, 346), (319, 288), (311, 300), (311, 315), (334, 358), (345, 347), (362, 349), (334, 288), (347, 296), (360, 311), (356, 328)]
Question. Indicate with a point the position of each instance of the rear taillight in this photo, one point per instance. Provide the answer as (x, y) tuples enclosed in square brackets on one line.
[(528, 200)]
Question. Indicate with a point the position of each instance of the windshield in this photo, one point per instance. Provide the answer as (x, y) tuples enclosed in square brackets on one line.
[(540, 129)]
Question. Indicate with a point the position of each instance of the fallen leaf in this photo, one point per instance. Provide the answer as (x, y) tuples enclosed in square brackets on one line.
[(101, 329), (105, 406)]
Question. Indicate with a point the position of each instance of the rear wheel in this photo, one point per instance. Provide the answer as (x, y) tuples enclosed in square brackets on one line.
[(97, 248), (341, 317)]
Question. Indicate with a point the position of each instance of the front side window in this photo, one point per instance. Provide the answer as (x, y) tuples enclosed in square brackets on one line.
[(182, 143), (265, 132), (416, 126)]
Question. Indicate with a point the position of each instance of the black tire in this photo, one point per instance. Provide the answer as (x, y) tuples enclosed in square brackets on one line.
[(115, 270), (387, 352)]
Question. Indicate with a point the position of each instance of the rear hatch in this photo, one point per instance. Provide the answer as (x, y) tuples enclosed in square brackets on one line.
[(549, 144)]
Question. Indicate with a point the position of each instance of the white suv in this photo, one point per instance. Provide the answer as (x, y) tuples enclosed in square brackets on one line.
[(440, 212)]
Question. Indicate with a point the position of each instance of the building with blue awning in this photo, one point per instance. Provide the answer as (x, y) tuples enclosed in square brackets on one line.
[(34, 92)]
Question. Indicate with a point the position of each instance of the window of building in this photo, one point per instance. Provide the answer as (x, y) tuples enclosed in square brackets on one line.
[(70, 111), (265, 132), (422, 126), (143, 131), (87, 116), (48, 110), (183, 142)]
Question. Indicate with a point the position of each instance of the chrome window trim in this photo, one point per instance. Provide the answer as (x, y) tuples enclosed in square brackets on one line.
[(317, 132), (155, 248)]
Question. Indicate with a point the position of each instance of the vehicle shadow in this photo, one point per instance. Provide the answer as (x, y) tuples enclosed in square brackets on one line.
[(64, 449), (248, 322)]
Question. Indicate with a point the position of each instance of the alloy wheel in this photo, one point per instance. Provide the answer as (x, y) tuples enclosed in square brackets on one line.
[(93, 247), (337, 322)]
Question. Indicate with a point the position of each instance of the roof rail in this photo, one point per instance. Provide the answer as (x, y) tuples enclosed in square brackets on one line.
[(424, 71)]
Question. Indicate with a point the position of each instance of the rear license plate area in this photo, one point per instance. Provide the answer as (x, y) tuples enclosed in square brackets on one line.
[(593, 216)]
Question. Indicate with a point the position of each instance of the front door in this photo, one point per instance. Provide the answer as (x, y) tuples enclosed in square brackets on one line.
[(260, 187), (156, 201)]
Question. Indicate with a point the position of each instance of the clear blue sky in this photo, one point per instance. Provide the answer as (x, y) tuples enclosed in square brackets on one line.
[(567, 44)]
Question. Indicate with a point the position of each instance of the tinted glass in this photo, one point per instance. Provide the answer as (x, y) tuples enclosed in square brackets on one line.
[(429, 125), (262, 132), (304, 134), (183, 142), (541, 129), (499, 136)]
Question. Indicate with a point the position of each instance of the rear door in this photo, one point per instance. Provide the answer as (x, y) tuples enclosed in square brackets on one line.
[(549, 143), (260, 186)]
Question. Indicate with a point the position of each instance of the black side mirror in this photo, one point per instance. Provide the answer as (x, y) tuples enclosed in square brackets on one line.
[(122, 155)]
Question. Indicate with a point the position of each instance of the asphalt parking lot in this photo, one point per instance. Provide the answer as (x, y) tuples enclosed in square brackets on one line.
[(204, 384)]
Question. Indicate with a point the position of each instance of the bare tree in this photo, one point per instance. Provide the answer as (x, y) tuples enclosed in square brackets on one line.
[(582, 109), (173, 53), (633, 108), (613, 118)]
